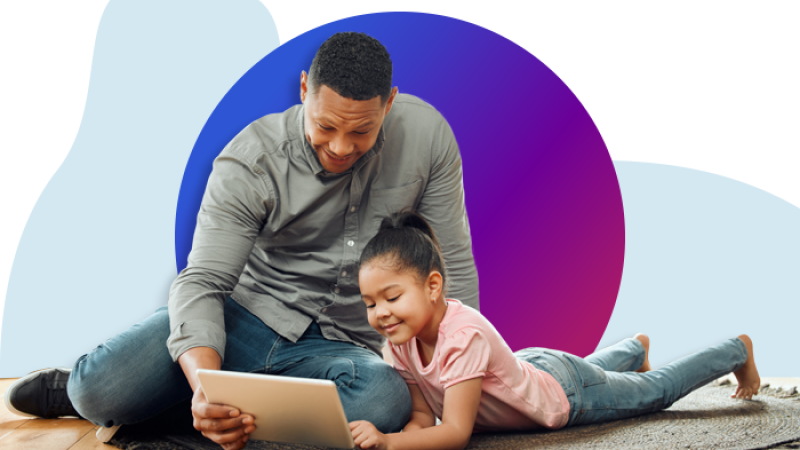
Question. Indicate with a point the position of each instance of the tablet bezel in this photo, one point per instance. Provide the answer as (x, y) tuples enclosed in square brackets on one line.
[(286, 409)]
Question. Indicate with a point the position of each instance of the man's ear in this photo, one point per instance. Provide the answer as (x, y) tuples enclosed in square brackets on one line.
[(390, 101), (434, 284), (303, 86)]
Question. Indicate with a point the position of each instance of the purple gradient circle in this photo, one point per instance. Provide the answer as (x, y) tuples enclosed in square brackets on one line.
[(542, 196)]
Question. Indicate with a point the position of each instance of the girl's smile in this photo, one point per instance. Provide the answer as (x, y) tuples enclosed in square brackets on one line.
[(392, 327), (400, 306)]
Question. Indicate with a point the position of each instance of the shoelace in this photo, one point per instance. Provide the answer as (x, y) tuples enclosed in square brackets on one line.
[(58, 403)]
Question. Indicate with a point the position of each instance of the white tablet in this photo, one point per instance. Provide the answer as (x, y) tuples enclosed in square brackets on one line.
[(286, 409)]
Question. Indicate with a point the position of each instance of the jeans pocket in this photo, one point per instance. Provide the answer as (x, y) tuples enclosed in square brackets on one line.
[(590, 375), (543, 361)]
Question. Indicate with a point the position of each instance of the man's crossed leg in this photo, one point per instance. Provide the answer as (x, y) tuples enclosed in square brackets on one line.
[(131, 377)]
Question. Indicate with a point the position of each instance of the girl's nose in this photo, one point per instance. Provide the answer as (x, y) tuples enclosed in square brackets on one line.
[(382, 311)]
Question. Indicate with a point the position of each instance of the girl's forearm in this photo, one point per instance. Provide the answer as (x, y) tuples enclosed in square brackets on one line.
[(440, 437), (461, 403), (418, 421)]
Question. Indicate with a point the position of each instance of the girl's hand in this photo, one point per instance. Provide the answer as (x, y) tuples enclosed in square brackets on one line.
[(365, 435)]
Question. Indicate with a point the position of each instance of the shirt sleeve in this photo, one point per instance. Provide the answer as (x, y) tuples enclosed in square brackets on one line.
[(463, 356), (400, 365), (442, 205), (234, 207)]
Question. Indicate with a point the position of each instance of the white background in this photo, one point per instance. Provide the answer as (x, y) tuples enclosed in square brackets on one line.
[(710, 86)]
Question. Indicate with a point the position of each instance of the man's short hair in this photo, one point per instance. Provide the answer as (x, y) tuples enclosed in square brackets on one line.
[(354, 65)]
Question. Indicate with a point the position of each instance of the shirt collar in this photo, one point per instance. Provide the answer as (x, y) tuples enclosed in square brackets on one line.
[(313, 160)]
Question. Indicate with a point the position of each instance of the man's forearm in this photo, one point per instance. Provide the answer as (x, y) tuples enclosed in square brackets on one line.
[(198, 358)]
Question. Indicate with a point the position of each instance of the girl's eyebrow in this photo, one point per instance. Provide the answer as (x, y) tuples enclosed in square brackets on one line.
[(386, 288)]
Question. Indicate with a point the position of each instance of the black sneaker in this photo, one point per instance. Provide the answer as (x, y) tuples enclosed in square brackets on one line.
[(41, 394)]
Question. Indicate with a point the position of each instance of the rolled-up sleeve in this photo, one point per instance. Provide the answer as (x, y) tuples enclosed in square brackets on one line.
[(233, 210), (442, 205)]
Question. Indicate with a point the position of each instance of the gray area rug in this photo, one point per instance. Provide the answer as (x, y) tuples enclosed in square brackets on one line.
[(705, 419)]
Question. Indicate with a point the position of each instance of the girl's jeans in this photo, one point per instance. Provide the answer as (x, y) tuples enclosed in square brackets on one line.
[(604, 387), (131, 377)]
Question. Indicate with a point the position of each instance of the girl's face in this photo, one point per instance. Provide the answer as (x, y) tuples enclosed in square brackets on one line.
[(399, 305)]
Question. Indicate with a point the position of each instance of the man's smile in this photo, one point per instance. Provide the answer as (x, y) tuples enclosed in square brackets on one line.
[(336, 160)]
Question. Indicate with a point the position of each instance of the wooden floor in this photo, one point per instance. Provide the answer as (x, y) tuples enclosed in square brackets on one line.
[(20, 433)]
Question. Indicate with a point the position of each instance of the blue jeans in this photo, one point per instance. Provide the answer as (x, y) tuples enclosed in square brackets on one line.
[(131, 377), (603, 386)]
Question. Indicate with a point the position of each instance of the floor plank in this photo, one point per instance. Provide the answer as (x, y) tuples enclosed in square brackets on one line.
[(53, 434), (38, 434), (90, 442), (8, 421)]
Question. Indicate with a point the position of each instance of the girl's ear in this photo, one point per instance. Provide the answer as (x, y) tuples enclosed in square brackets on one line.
[(434, 285)]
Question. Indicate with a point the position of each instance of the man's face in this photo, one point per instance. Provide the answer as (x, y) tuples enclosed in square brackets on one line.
[(341, 129)]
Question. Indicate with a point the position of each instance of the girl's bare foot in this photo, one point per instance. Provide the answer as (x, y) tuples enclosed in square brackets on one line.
[(646, 343), (747, 375)]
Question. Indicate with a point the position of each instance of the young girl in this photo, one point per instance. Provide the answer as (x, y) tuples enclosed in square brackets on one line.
[(458, 367)]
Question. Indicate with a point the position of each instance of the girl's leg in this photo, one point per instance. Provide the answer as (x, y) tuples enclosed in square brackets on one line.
[(747, 376), (626, 355), (603, 396)]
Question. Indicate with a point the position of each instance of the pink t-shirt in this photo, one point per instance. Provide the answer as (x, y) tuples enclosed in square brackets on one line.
[(515, 395)]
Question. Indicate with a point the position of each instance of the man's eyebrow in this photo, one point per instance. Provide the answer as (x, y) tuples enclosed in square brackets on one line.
[(328, 123)]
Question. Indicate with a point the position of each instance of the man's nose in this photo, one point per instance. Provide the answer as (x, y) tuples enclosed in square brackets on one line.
[(341, 146)]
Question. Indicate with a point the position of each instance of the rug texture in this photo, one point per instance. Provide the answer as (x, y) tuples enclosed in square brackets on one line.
[(705, 419)]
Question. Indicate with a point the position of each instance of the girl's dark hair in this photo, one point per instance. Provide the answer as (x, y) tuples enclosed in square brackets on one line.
[(408, 242)]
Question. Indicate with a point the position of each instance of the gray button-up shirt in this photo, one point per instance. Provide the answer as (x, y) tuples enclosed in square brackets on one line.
[(283, 236)]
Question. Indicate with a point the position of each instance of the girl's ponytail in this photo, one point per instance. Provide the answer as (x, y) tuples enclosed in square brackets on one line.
[(406, 240)]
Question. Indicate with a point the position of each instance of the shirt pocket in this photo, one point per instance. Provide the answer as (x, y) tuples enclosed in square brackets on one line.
[(384, 202)]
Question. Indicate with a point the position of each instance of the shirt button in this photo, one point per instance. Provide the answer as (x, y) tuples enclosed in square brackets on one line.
[(324, 310), (352, 209), (344, 273), (350, 243), (337, 290)]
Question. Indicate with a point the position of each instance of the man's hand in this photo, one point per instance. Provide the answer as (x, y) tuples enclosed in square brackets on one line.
[(221, 423), (365, 435)]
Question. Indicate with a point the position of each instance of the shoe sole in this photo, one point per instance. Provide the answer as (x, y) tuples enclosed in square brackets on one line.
[(26, 378), (104, 434)]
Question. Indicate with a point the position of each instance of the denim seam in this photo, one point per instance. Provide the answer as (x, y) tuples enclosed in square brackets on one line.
[(578, 389), (743, 349), (352, 368), (355, 373), (271, 355), (644, 351)]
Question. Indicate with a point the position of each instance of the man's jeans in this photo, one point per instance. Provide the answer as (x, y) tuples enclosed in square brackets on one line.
[(603, 387), (132, 377)]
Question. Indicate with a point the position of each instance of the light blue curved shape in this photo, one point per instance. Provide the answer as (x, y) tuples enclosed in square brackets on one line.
[(97, 253), (707, 258)]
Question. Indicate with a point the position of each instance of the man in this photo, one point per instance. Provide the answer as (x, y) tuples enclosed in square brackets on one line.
[(271, 283)]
